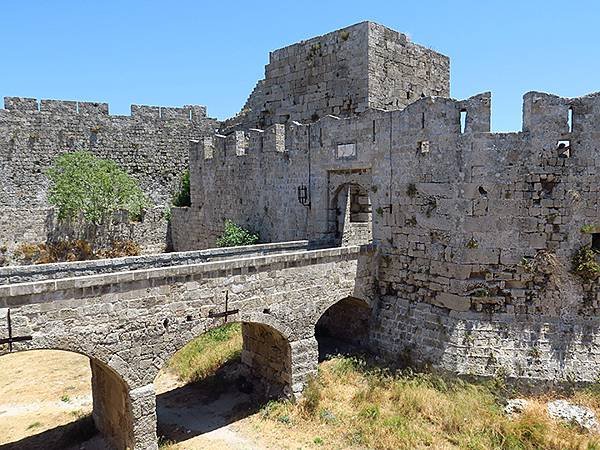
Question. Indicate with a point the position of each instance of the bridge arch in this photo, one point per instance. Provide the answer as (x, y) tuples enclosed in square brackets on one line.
[(262, 371), (266, 343), (343, 326), (111, 407)]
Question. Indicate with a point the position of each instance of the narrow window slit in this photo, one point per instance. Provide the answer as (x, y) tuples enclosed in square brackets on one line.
[(373, 131), (463, 120), (570, 120)]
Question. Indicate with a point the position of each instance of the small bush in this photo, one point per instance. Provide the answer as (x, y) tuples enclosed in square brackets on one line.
[(585, 264), (183, 198), (234, 235)]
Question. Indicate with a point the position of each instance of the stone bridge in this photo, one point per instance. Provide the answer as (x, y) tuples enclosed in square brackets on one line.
[(130, 315)]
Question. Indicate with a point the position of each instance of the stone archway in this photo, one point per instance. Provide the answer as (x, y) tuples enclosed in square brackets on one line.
[(109, 414), (350, 215), (344, 327), (268, 356), (235, 388)]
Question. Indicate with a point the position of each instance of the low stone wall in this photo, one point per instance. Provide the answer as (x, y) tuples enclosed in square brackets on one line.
[(22, 274), (531, 348), (37, 225)]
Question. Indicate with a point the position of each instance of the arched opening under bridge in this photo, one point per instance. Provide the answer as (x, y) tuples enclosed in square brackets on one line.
[(60, 399), (344, 328), (224, 375)]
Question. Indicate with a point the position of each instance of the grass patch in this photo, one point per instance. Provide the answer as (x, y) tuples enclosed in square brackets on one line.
[(203, 356), (351, 404), (33, 425)]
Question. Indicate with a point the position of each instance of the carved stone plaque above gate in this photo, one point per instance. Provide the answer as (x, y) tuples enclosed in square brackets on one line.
[(346, 151)]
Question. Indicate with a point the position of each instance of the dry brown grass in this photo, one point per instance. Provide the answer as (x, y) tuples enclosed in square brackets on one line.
[(352, 406), (73, 250)]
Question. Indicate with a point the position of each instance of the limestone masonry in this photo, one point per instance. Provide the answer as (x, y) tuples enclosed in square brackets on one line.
[(152, 145), (397, 221)]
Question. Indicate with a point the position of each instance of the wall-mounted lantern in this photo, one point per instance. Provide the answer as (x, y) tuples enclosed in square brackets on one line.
[(303, 196)]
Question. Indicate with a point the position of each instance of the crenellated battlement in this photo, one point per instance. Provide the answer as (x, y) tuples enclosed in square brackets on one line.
[(68, 107), (244, 143), (428, 119), (314, 78)]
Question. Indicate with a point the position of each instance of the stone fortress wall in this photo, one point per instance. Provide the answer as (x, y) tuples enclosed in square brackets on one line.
[(152, 145), (343, 73), (475, 230)]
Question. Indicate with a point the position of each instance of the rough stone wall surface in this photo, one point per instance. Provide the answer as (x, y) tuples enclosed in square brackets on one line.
[(111, 409), (268, 355), (343, 73), (132, 322), (481, 224), (152, 145)]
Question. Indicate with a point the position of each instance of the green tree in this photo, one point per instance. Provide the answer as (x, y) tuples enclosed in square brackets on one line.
[(92, 189), (235, 235)]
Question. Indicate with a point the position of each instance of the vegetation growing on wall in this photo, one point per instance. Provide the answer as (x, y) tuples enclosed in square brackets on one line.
[(182, 197), (84, 186), (585, 264), (235, 235)]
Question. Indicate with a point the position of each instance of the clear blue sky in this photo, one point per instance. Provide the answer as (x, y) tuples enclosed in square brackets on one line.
[(172, 53)]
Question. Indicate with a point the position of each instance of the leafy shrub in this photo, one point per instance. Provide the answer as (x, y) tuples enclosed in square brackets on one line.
[(234, 235), (585, 264), (84, 186), (182, 198)]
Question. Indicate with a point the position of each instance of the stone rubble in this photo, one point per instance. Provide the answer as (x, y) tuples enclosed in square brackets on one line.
[(573, 414)]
